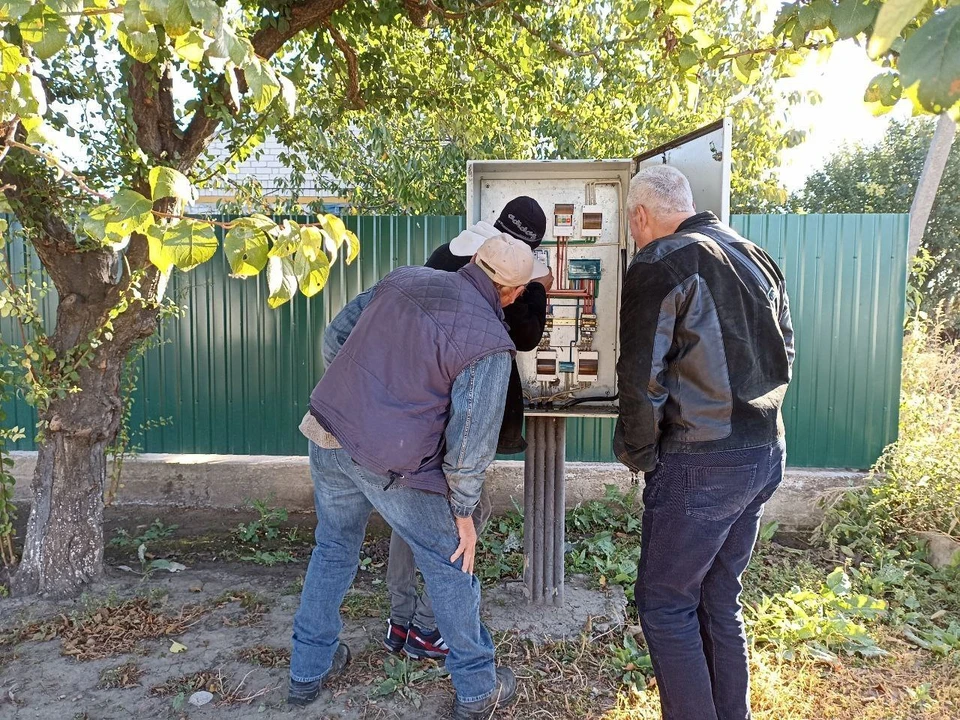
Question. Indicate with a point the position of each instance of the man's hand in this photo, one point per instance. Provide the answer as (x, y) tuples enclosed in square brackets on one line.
[(468, 543), (546, 281)]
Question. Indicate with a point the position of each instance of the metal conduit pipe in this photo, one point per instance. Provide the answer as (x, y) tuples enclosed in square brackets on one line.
[(544, 508)]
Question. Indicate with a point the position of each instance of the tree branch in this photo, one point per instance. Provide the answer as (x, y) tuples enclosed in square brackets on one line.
[(79, 180), (431, 6), (553, 44), (266, 41), (354, 98)]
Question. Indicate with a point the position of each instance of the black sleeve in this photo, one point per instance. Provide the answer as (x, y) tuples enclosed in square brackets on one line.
[(527, 317), (650, 302), (443, 259)]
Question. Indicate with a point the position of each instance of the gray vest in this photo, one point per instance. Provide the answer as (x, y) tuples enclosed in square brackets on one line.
[(386, 396)]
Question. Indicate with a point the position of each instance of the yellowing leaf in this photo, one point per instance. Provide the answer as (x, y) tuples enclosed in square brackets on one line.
[(141, 46), (167, 182), (286, 240), (178, 19), (160, 256), (892, 18), (281, 281), (930, 59), (13, 10), (261, 83), (189, 243), (191, 46), (134, 18), (44, 30), (247, 247), (133, 210), (354, 243), (312, 270)]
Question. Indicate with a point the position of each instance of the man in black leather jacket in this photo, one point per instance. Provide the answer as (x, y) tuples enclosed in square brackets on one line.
[(706, 350)]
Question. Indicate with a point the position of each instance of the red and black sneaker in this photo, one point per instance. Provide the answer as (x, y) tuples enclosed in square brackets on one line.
[(396, 637), (421, 645)]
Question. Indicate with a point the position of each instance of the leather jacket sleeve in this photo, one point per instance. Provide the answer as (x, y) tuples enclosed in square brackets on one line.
[(651, 302), (527, 317), (786, 326)]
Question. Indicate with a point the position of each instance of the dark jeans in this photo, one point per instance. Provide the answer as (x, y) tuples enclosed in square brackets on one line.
[(700, 521)]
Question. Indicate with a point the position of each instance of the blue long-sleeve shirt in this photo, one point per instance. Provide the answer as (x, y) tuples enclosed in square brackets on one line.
[(476, 410)]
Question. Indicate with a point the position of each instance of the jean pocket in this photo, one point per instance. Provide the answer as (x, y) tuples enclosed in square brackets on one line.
[(717, 493)]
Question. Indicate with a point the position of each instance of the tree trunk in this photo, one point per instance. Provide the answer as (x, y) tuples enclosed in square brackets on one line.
[(63, 548)]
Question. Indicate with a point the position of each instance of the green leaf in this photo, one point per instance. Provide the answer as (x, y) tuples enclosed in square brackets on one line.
[(892, 18), (141, 46), (852, 17), (816, 15), (312, 270), (134, 18), (133, 211), (262, 84), (639, 13), (13, 10), (167, 182), (228, 45), (191, 46), (44, 30), (247, 247), (883, 92), (178, 19), (205, 12), (286, 240), (839, 582), (931, 59), (189, 242), (155, 11), (100, 225), (688, 58), (281, 281)]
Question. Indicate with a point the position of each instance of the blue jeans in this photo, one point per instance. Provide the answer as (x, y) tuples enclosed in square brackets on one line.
[(344, 495), (700, 522)]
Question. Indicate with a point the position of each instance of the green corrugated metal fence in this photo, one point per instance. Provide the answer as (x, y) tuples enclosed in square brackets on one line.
[(234, 377)]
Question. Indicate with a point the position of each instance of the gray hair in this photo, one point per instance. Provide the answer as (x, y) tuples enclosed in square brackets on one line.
[(661, 189)]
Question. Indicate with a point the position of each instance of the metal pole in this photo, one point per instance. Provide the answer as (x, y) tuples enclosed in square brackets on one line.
[(536, 589), (529, 463), (549, 483), (544, 508), (560, 508)]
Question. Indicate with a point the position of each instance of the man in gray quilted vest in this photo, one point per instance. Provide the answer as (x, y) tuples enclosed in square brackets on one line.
[(405, 421)]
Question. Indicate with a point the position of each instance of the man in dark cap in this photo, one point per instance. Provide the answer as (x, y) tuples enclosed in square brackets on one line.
[(412, 628)]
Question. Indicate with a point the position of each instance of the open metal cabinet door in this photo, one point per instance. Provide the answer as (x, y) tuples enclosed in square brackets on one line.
[(704, 157)]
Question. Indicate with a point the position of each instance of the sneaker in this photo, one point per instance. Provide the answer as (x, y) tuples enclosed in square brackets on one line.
[(396, 637), (421, 645), (304, 693), (505, 693)]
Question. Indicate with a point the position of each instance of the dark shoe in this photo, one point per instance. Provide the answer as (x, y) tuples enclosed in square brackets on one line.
[(304, 693), (421, 645), (505, 693), (396, 637)]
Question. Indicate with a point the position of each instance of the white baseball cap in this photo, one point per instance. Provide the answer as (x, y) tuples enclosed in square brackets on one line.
[(509, 261)]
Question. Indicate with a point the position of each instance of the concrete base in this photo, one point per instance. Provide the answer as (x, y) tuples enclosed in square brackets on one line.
[(506, 609), (229, 481)]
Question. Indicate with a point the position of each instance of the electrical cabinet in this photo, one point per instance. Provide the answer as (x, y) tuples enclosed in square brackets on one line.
[(588, 248)]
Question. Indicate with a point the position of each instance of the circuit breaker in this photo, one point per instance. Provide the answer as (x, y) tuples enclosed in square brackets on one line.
[(588, 248)]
